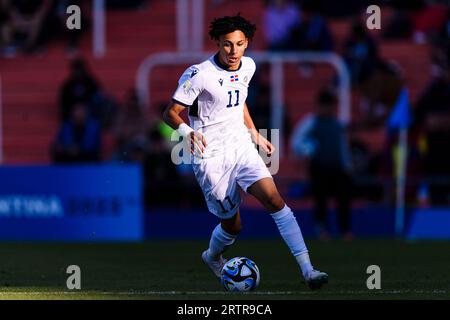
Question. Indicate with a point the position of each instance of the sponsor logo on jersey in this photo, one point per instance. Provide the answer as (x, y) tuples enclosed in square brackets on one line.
[(234, 78), (194, 72), (221, 82), (245, 79)]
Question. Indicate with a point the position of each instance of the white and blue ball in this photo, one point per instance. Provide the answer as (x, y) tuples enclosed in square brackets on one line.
[(240, 274)]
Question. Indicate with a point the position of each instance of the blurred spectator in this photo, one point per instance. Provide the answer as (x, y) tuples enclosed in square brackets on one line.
[(442, 42), (82, 87), (338, 9), (313, 33), (428, 21), (260, 101), (259, 97), (125, 4), (162, 181), (79, 138), (360, 53), (400, 24), (321, 139), (5, 29), (379, 93), (280, 18), (28, 23), (432, 115), (130, 128)]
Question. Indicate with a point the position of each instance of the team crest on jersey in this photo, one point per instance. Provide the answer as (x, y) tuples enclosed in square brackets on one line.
[(234, 78), (221, 82), (194, 72)]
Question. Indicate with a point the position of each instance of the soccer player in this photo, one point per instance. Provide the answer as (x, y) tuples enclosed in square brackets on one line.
[(223, 155)]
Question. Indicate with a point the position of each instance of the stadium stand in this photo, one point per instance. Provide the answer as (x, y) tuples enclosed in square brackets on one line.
[(31, 119)]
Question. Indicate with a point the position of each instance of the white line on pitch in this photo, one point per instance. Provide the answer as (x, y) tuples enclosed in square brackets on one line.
[(143, 293)]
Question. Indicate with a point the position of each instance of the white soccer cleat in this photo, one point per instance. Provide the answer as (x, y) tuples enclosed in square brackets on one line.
[(214, 265), (315, 279)]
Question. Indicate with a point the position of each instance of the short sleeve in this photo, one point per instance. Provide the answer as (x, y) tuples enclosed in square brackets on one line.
[(251, 66), (189, 88)]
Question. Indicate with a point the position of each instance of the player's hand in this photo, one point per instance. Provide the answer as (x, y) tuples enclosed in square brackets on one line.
[(265, 144), (198, 143)]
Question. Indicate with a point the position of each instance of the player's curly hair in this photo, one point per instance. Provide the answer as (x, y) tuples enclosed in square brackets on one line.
[(227, 24)]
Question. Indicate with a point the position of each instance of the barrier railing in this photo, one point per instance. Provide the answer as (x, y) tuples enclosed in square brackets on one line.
[(143, 76), (98, 30)]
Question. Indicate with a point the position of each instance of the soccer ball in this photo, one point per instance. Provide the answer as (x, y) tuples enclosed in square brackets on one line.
[(240, 274)]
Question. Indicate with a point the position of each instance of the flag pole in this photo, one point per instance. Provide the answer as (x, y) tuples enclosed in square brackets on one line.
[(401, 181), (400, 119)]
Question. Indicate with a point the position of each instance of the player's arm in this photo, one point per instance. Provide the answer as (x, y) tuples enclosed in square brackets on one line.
[(172, 117), (256, 136)]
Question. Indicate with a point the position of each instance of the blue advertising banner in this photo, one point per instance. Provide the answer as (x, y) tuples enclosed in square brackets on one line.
[(430, 223), (71, 203)]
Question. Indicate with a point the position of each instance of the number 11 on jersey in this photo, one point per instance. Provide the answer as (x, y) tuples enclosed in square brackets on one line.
[(232, 205), (230, 94)]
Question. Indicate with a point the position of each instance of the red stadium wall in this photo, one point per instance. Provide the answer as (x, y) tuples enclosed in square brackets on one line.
[(30, 84)]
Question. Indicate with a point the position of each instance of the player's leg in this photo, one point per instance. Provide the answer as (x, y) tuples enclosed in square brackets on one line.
[(217, 181), (266, 192), (222, 237), (223, 200)]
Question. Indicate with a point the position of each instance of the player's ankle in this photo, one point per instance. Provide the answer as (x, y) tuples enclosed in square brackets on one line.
[(212, 257)]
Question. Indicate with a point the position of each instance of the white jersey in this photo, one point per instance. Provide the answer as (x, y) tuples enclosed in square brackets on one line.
[(215, 97)]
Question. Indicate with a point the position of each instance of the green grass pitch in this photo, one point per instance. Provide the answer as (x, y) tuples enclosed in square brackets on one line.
[(173, 270)]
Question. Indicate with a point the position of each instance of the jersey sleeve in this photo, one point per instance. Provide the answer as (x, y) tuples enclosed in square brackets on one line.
[(252, 67), (189, 88)]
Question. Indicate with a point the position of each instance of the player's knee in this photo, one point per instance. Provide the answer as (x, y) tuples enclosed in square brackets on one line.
[(273, 202)]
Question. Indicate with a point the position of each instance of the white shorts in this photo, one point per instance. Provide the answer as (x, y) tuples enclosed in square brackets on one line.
[(220, 176)]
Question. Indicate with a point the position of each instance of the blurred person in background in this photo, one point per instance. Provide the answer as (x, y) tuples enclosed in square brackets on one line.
[(259, 97), (82, 87), (29, 25), (379, 93), (162, 183), (428, 21), (79, 138), (130, 127), (126, 4), (338, 9), (321, 138), (400, 24), (313, 33), (432, 119), (7, 49), (360, 53), (79, 87), (280, 18), (442, 42)]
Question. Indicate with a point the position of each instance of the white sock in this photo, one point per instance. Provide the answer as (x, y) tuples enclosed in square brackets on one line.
[(220, 241), (292, 235)]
